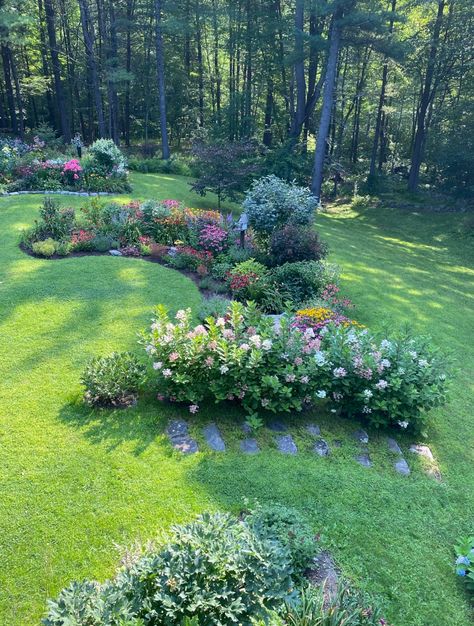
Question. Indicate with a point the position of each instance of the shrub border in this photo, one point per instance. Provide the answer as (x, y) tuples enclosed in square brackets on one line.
[(63, 193)]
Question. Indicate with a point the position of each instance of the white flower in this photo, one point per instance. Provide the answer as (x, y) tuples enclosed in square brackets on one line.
[(290, 378), (256, 340), (385, 343), (223, 369), (319, 358), (403, 424), (321, 393), (150, 349), (167, 373), (304, 380), (413, 354), (158, 365), (267, 344), (423, 363), (220, 321), (382, 384), (181, 315), (385, 363), (244, 346), (323, 331), (366, 409), (367, 393), (309, 333), (194, 408)]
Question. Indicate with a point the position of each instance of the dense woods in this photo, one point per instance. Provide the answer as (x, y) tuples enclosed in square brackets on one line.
[(377, 87)]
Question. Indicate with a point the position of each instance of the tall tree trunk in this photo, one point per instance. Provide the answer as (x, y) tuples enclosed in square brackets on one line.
[(128, 67), (380, 110), (269, 104), (200, 67), (217, 71), (44, 65), (56, 66), (19, 99), (325, 119), (160, 71), (89, 37), (300, 81), (9, 88), (426, 95)]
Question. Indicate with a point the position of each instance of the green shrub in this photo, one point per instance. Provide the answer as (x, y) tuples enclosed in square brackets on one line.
[(214, 571), (318, 607), (275, 521), (63, 248), (45, 248), (303, 280), (175, 165), (213, 307), (295, 243), (465, 562), (105, 153), (104, 243), (114, 379), (55, 221), (271, 203)]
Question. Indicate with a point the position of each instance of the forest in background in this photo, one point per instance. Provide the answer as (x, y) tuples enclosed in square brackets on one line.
[(373, 87)]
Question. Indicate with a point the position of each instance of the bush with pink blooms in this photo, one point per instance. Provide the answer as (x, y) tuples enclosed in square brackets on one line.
[(244, 357)]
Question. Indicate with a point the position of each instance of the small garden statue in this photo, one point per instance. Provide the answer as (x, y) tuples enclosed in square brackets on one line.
[(77, 141), (242, 225)]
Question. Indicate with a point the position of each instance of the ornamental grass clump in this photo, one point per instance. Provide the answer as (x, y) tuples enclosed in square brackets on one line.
[(113, 380)]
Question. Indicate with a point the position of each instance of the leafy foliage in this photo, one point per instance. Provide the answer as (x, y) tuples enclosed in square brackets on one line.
[(113, 379)]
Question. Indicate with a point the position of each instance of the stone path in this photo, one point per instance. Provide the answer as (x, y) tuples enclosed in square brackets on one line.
[(178, 434)]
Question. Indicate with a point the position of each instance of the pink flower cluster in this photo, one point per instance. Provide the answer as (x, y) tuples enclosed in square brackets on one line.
[(213, 238), (72, 166)]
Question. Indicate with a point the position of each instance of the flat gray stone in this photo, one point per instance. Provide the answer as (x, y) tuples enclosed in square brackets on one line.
[(249, 446), (422, 451), (364, 459), (402, 467), (185, 445), (286, 444), (277, 426), (393, 446), (177, 428), (361, 436), (115, 252), (313, 429), (321, 447), (246, 428), (213, 438)]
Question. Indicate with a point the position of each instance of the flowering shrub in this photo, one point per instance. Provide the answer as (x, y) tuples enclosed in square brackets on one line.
[(242, 356), (320, 317), (304, 280), (465, 562), (82, 240), (72, 171), (247, 280), (213, 238), (272, 203), (391, 382), (186, 257)]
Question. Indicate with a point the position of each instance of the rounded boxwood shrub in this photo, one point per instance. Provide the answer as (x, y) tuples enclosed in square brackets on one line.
[(303, 280), (113, 380)]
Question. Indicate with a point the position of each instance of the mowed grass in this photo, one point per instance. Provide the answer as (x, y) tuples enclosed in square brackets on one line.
[(75, 482)]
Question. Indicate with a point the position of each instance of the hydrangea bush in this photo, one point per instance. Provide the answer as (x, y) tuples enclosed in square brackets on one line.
[(465, 561), (242, 356)]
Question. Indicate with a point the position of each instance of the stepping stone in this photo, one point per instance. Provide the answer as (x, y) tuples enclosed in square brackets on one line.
[(402, 467), (361, 436), (277, 427), (393, 446), (115, 252), (286, 444), (422, 451), (313, 429), (177, 432), (246, 428), (249, 446), (364, 459), (213, 438), (321, 447)]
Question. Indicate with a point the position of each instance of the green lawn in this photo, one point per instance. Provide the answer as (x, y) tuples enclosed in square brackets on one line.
[(74, 482)]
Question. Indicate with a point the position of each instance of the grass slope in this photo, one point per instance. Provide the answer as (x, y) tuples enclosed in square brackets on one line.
[(74, 482)]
